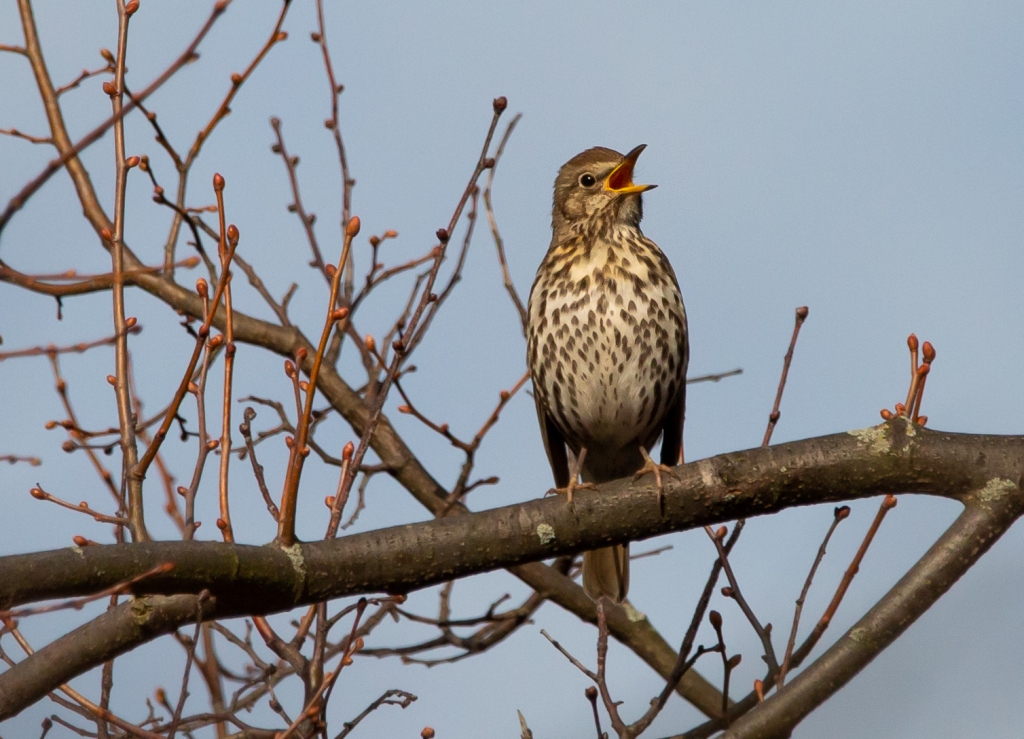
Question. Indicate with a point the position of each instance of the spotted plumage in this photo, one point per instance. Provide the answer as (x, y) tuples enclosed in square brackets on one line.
[(607, 340)]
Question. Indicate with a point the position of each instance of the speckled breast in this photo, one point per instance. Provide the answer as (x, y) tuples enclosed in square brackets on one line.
[(607, 342)]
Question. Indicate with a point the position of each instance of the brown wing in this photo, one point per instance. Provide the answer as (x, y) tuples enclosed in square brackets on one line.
[(554, 445), (672, 431)]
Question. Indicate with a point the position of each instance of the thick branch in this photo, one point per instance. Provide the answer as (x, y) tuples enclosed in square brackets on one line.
[(895, 457), (117, 631), (989, 512), (892, 458)]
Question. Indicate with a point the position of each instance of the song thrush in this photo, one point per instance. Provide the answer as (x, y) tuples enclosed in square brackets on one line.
[(607, 343)]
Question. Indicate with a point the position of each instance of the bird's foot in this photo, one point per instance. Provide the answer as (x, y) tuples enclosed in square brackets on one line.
[(652, 467), (572, 487)]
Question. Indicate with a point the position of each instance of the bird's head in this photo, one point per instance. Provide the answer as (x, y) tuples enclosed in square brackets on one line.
[(598, 184)]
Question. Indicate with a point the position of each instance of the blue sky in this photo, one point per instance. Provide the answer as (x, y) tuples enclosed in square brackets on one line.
[(863, 159)]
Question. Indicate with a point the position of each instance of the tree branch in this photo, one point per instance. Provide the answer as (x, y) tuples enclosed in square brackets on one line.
[(984, 472)]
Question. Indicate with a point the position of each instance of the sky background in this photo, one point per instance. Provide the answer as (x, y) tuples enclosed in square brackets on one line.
[(866, 160)]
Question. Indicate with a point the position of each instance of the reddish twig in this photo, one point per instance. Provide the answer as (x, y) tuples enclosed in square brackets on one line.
[(226, 248), (126, 422), (773, 417), (841, 512), (68, 151), (300, 450), (499, 243), (763, 632)]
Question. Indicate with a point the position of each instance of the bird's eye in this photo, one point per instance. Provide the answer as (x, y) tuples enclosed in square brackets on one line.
[(587, 180)]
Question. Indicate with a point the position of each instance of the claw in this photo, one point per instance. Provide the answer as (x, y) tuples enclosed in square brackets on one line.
[(572, 487), (574, 475), (652, 467)]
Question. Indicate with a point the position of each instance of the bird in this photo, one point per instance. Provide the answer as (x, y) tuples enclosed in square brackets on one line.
[(607, 344)]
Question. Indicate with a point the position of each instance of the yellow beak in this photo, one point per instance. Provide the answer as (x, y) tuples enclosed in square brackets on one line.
[(620, 181)]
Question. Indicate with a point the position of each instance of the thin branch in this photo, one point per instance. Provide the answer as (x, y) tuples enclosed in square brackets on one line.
[(841, 512), (499, 243)]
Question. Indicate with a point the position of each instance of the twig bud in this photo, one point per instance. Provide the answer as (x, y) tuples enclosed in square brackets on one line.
[(500, 103), (105, 234), (348, 451), (111, 379), (80, 541), (734, 661), (314, 37), (442, 235), (222, 524), (202, 288), (108, 57), (281, 36), (727, 591), (109, 88), (889, 502), (404, 409), (212, 444), (352, 227), (131, 7), (289, 368), (329, 270), (923, 369), (300, 354), (132, 161), (922, 420), (289, 441), (489, 163), (182, 491), (232, 234), (721, 532), (340, 314), (842, 511), (130, 321), (218, 181), (759, 689), (912, 342), (886, 414), (216, 341), (591, 693), (390, 233), (427, 733), (929, 352), (801, 313), (236, 79), (371, 344), (398, 345), (37, 493), (329, 501), (715, 619)]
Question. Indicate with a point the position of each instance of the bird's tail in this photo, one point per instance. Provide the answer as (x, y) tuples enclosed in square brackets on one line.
[(606, 572)]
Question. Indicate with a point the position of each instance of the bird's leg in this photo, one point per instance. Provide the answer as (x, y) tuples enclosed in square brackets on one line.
[(574, 474), (650, 466)]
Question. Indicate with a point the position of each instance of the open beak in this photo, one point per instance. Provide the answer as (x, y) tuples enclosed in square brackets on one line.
[(620, 181)]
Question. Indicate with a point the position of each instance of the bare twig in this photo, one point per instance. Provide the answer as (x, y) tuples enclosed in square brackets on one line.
[(841, 512), (773, 417), (499, 243)]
